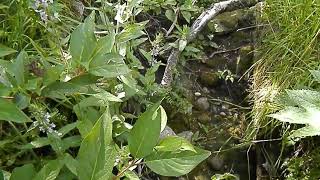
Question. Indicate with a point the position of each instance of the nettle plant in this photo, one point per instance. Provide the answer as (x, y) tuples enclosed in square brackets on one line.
[(301, 107), (67, 112)]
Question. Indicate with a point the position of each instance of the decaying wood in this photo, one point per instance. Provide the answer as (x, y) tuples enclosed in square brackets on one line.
[(197, 26)]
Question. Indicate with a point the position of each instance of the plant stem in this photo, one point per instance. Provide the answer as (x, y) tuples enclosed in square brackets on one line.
[(22, 138)]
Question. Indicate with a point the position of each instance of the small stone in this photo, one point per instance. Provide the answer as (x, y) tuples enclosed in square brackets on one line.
[(167, 132), (202, 104), (223, 114), (197, 94), (216, 162), (186, 134)]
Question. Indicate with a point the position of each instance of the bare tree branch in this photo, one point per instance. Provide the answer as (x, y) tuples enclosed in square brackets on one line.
[(197, 26)]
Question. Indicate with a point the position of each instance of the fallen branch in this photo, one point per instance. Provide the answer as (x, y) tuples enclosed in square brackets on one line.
[(197, 26)]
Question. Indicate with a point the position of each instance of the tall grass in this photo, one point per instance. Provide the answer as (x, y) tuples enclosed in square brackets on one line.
[(289, 49)]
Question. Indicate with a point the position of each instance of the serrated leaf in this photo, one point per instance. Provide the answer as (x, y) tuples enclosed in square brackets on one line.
[(10, 112), (305, 98), (97, 153), (316, 75), (145, 133), (175, 163), (25, 172), (305, 132), (4, 50), (306, 110)]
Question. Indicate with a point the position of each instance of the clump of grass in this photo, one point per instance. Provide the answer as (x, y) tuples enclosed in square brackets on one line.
[(289, 49)]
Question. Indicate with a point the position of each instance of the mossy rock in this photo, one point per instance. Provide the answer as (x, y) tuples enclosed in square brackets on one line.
[(245, 59), (209, 78), (217, 61)]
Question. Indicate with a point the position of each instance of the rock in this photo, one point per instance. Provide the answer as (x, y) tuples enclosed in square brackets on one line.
[(231, 21), (209, 78), (202, 104), (245, 59), (223, 114), (216, 162), (186, 134), (204, 118), (218, 61), (167, 132)]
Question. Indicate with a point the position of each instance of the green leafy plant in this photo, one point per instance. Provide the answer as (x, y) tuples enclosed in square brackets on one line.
[(301, 107), (65, 112)]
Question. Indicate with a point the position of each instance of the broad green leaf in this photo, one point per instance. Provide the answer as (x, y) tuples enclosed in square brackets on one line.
[(22, 101), (175, 163), (10, 112), (307, 112), (87, 117), (306, 131), (52, 74), (68, 142), (71, 163), (299, 116), (105, 45), (25, 172), (97, 153), (106, 97), (4, 50), (175, 143), (83, 41), (145, 133), (76, 85), (50, 171), (109, 66), (316, 75), (305, 98)]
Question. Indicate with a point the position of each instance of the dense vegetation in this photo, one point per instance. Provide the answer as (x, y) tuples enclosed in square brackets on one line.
[(81, 94)]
